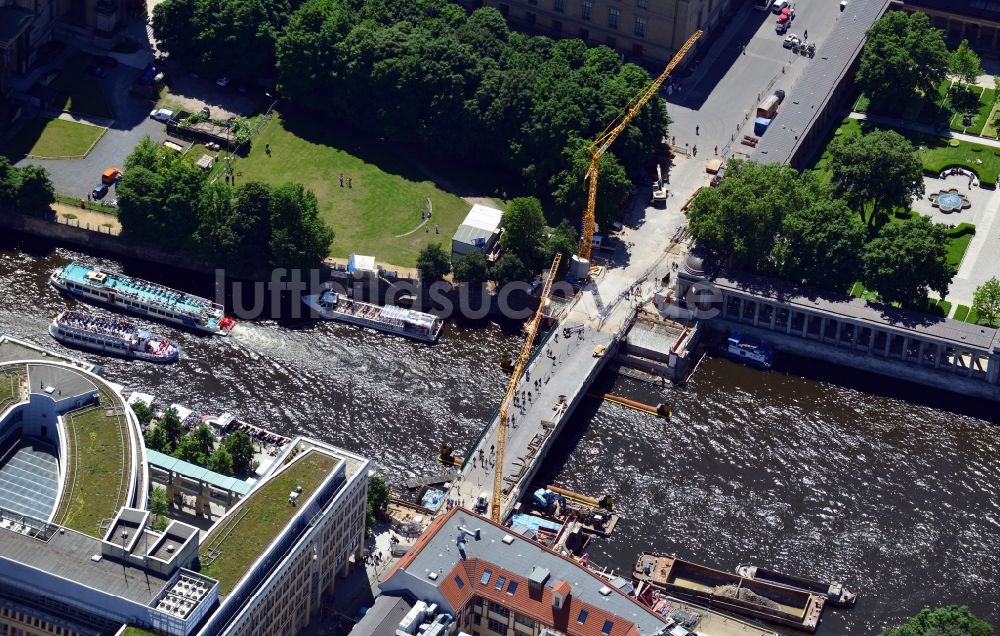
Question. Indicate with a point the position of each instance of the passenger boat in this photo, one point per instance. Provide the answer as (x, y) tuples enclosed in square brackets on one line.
[(749, 350), (836, 593), (389, 318), (751, 597), (143, 298), (113, 336)]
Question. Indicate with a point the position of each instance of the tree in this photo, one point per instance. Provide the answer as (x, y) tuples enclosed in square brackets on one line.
[(965, 64), (470, 268), (986, 300), (156, 439), (34, 189), (820, 243), (943, 621), (299, 238), (742, 217), (142, 413), (564, 241), (908, 259), (221, 462), (159, 505), (903, 55), (206, 439), (433, 263), (875, 173), (524, 226), (189, 450), (240, 447), (9, 178), (173, 428), (378, 501), (508, 269), (613, 184)]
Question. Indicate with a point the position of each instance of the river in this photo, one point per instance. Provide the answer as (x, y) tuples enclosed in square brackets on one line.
[(831, 473)]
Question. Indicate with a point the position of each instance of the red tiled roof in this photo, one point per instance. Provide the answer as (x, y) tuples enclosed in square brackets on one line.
[(538, 608), (566, 619)]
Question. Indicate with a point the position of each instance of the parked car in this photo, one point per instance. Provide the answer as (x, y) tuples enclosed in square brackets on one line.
[(781, 27), (222, 81), (779, 5), (787, 15), (99, 192), (162, 114), (791, 40), (106, 61), (111, 175)]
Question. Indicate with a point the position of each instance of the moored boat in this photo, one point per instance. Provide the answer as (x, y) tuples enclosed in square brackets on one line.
[(749, 350), (142, 297), (112, 336), (751, 597), (389, 318), (836, 593)]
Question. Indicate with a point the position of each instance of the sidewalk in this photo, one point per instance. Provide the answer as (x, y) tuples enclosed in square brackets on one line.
[(90, 218), (945, 133)]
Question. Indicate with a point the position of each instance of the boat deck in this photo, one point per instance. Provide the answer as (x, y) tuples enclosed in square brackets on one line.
[(141, 291)]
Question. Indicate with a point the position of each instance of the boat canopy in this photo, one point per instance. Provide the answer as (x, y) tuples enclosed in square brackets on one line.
[(416, 318)]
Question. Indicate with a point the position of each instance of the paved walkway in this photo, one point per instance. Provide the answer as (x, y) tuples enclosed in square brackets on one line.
[(895, 122), (85, 217)]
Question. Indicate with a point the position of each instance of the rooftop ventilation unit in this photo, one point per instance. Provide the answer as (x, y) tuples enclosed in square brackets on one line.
[(475, 534), (604, 591), (507, 539), (432, 576)]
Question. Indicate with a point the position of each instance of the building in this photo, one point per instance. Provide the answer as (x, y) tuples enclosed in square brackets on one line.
[(79, 553), (644, 30), (27, 25), (479, 232), (977, 21), (475, 577)]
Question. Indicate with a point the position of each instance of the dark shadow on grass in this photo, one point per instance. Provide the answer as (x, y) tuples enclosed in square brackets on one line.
[(407, 160)]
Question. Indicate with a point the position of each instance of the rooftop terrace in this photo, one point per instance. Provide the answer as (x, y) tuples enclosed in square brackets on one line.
[(10, 385), (98, 466), (242, 536)]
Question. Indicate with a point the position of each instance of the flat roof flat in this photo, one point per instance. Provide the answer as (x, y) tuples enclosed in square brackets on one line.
[(961, 334), (809, 96), (197, 473), (68, 556), (66, 382)]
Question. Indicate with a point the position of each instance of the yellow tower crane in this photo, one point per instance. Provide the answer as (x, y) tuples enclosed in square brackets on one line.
[(603, 141), (508, 398)]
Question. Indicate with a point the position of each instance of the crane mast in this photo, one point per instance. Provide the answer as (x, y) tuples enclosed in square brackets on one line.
[(515, 377), (600, 145)]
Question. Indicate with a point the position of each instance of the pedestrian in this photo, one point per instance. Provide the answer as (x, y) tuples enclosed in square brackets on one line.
[(673, 140), (696, 129), (806, 34), (341, 179), (694, 151), (716, 150), (349, 182), (492, 449), (744, 49)]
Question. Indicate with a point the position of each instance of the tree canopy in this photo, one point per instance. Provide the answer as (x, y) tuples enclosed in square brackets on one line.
[(875, 173), (944, 621), (426, 71), (986, 300), (378, 501), (965, 64), (903, 55), (908, 259), (470, 268), (26, 189), (524, 229), (240, 447), (166, 202), (433, 263)]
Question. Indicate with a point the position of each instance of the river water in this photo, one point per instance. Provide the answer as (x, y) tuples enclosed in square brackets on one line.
[(822, 472)]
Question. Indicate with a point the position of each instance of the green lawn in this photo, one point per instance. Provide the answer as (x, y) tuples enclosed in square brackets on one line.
[(936, 153), (80, 93), (97, 468), (959, 238), (990, 129), (241, 539), (52, 139), (981, 115), (386, 199), (961, 313)]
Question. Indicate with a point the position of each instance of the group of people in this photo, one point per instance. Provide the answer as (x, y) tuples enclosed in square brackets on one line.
[(99, 325), (973, 179)]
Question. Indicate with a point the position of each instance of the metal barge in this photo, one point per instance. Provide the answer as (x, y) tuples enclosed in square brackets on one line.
[(715, 588), (835, 593)]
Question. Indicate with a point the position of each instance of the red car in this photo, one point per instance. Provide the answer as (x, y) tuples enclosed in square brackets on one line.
[(786, 15)]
